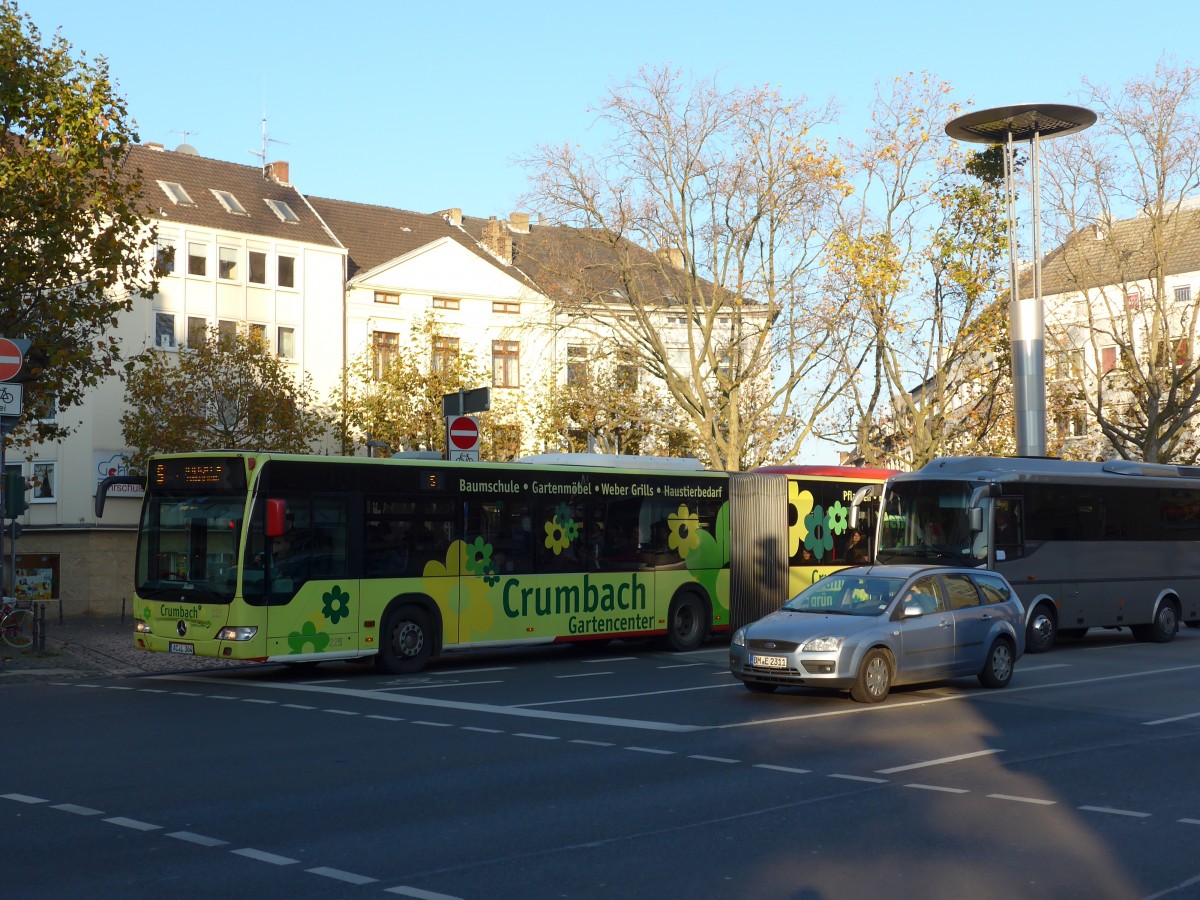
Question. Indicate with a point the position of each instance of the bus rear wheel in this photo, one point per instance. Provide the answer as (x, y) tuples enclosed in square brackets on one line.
[(1162, 629), (686, 623), (406, 642), (1039, 636)]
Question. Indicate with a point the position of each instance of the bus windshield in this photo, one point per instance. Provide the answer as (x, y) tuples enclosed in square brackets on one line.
[(926, 520), (189, 543)]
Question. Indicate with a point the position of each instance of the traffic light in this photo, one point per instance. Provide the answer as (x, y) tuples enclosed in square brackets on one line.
[(14, 494)]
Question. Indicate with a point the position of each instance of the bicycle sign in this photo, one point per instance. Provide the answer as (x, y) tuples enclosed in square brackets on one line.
[(10, 399)]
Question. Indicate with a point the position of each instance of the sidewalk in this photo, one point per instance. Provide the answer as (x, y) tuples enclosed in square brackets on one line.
[(90, 647)]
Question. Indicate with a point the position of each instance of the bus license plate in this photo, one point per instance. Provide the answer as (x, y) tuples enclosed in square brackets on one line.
[(186, 649), (769, 662)]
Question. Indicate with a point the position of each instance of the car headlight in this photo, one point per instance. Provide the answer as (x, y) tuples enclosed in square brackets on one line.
[(237, 632), (824, 644), (739, 638)]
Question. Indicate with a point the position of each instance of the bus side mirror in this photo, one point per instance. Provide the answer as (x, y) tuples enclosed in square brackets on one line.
[(975, 518), (276, 517)]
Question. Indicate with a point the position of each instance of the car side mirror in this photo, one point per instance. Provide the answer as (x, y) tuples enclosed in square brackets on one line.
[(912, 608)]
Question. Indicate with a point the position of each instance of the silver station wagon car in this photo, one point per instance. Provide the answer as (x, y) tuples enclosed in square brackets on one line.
[(867, 628)]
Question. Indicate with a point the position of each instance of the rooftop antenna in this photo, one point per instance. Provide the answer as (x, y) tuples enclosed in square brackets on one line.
[(262, 154)]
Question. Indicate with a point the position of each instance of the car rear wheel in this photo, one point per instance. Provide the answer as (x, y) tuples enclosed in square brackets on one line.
[(998, 670), (874, 678)]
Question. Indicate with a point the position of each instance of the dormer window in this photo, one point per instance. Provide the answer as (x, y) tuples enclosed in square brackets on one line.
[(230, 202), (176, 193), (281, 209)]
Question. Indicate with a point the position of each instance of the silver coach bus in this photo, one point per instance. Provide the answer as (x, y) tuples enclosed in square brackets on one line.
[(1085, 545)]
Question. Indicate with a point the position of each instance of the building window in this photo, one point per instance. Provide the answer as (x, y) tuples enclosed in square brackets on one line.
[(166, 258), (286, 342), (1071, 424), (445, 353), (227, 263), (384, 297), (626, 371), (176, 193), (505, 306), (445, 303), (286, 271), (1183, 295), (197, 331), (283, 211), (385, 346), (226, 330), (197, 259), (506, 364), (164, 330), (258, 333), (1174, 351), (577, 368), (1108, 359), (45, 483), (1133, 299), (230, 202)]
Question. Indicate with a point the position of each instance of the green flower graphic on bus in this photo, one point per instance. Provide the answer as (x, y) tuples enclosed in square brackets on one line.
[(335, 605), (839, 517), (556, 537), (800, 504), (708, 559), (464, 600), (308, 639), (819, 538), (685, 531)]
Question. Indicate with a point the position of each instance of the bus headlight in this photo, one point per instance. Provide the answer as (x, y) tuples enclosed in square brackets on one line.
[(739, 638), (824, 644), (141, 626), (237, 632)]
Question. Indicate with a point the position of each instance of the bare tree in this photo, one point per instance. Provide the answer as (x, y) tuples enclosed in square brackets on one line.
[(1119, 199), (692, 240)]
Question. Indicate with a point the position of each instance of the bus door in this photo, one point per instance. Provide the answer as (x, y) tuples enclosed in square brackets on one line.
[(312, 604)]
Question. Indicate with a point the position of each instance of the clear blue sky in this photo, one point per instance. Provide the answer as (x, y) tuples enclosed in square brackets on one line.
[(425, 105)]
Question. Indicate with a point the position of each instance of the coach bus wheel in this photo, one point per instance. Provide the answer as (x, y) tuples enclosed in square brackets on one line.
[(874, 678), (686, 625), (1039, 636), (406, 642), (1163, 628)]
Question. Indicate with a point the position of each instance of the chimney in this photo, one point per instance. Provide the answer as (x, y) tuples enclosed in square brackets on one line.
[(671, 255), (278, 172), (497, 240), (453, 216), (154, 145), (519, 222)]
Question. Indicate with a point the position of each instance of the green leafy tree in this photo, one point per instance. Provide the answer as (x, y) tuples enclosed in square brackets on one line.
[(73, 240), (229, 392)]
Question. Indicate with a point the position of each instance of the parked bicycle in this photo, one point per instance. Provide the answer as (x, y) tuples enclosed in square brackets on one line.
[(16, 624)]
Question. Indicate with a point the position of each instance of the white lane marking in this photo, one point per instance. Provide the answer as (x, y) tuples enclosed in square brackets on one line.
[(263, 856), (23, 798), (192, 838), (293, 705), (866, 778), (78, 810), (584, 675), (1024, 669), (152, 691), (936, 787), (1172, 719), (1171, 890), (339, 875), (117, 687), (1116, 812), (418, 894), (536, 737), (135, 824), (720, 759), (937, 762), (260, 700), (1036, 800), (437, 673), (591, 743), (448, 684), (482, 730), (684, 666), (791, 769), (340, 712), (1190, 821), (607, 659), (625, 697), (459, 705), (384, 718), (432, 724), (651, 750)]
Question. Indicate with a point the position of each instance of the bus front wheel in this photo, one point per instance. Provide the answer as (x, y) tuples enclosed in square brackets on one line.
[(1039, 636), (1162, 629), (406, 642)]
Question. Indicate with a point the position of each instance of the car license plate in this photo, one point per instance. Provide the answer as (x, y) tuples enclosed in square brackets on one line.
[(769, 662), (186, 649)]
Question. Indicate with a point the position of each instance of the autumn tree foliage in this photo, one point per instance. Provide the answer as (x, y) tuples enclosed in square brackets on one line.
[(229, 392), (1120, 199), (708, 208), (73, 241)]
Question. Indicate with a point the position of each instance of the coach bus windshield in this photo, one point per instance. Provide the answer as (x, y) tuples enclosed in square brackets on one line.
[(188, 547), (927, 520)]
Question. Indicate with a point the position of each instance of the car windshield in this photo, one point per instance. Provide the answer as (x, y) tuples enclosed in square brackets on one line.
[(847, 594)]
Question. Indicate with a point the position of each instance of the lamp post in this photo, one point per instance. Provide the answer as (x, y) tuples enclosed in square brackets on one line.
[(1007, 125)]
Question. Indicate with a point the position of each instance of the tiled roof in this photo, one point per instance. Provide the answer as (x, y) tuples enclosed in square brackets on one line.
[(199, 176), (1121, 254), (376, 234)]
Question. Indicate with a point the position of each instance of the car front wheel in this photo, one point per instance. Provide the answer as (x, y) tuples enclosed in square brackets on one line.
[(874, 678)]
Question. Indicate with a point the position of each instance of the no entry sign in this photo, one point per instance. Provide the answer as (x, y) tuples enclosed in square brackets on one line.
[(12, 358), (462, 434)]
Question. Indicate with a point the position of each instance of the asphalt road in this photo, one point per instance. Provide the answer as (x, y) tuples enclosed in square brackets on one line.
[(622, 772)]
